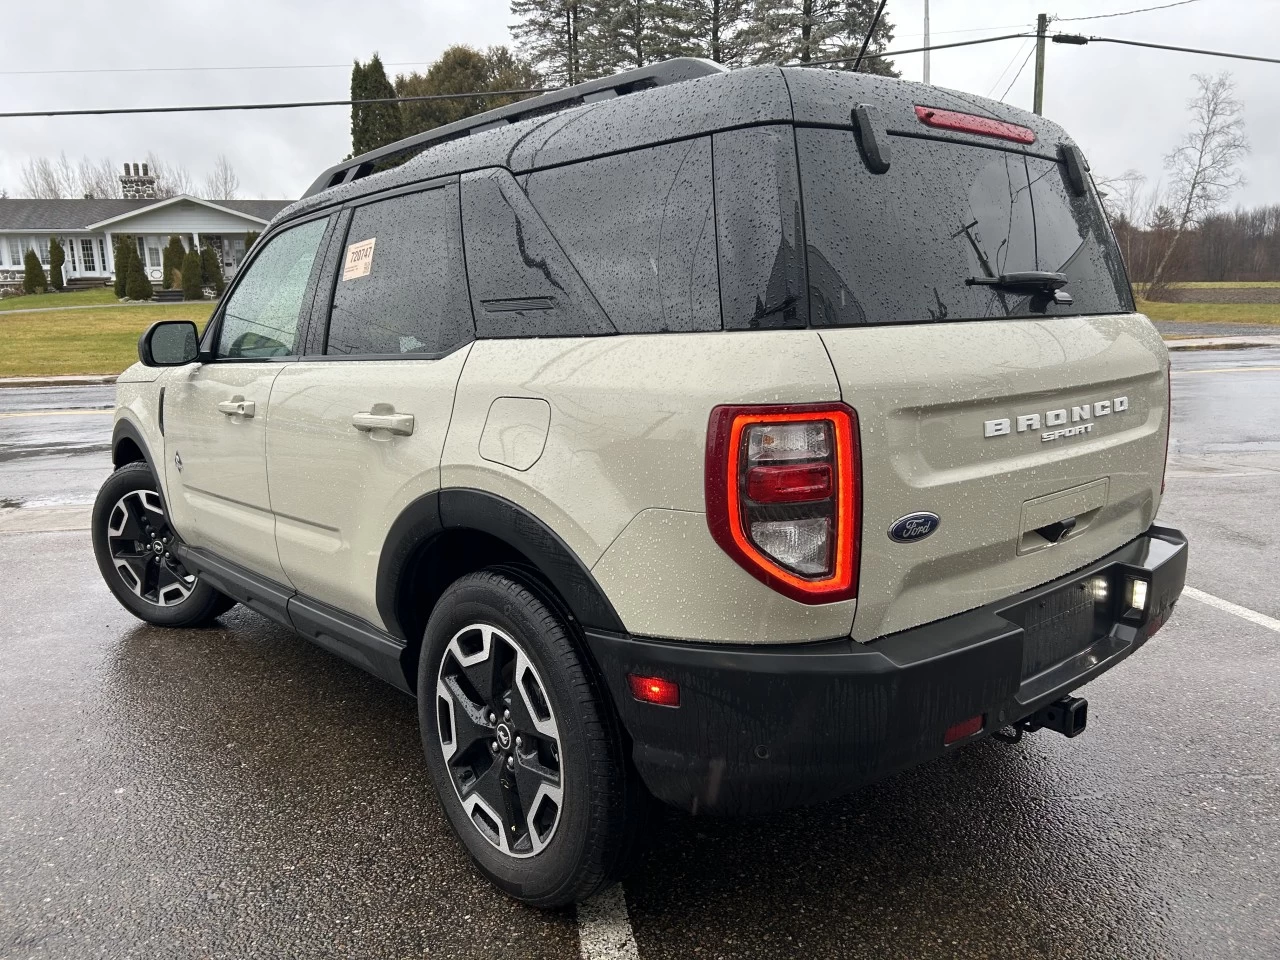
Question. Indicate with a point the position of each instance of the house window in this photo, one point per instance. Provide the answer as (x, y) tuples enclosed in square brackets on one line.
[(15, 251), (71, 254), (42, 247), (102, 253), (86, 256), (154, 257)]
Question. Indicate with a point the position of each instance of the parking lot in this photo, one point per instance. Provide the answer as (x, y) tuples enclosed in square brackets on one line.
[(237, 792)]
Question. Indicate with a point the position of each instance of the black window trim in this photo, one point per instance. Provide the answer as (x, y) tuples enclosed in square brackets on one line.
[(209, 339), (322, 311)]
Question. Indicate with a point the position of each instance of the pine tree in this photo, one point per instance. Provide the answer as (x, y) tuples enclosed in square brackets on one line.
[(121, 249), (33, 278), (171, 260), (192, 288), (805, 31), (715, 29), (462, 69), (373, 125), (137, 286), (549, 35), (211, 269), (625, 34), (57, 257), (250, 239)]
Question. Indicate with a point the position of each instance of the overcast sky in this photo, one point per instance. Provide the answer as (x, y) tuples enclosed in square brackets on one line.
[(1125, 106)]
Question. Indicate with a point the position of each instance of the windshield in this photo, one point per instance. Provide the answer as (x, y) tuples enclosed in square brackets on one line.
[(899, 246)]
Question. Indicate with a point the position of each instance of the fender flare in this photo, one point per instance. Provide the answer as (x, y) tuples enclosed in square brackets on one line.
[(126, 429), (461, 509)]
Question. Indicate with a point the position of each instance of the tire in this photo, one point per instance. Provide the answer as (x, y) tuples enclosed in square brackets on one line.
[(128, 520), (553, 751)]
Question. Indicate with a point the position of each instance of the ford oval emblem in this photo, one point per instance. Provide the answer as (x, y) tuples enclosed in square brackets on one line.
[(914, 526)]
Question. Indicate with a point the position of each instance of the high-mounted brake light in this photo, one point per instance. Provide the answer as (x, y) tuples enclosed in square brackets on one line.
[(970, 123), (783, 495)]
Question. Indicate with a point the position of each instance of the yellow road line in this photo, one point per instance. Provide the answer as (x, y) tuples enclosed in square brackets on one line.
[(1231, 370), (55, 413)]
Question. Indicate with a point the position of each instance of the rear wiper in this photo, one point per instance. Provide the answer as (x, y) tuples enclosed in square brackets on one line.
[(1042, 282)]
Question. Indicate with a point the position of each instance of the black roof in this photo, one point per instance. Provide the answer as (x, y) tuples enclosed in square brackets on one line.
[(718, 101), (56, 215)]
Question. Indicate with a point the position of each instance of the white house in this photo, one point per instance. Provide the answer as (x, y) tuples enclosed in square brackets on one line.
[(86, 229)]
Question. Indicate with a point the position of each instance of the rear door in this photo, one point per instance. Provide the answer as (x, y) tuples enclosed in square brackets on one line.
[(1033, 429), (357, 426), (215, 412)]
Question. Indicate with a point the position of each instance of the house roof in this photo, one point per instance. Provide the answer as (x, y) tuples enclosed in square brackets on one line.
[(54, 215)]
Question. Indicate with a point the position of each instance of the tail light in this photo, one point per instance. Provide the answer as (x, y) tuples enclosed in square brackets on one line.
[(970, 123), (783, 495)]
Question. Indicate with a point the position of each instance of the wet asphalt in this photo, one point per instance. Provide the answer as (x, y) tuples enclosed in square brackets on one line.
[(236, 792)]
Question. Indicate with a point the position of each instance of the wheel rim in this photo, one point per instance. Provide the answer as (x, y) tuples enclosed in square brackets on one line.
[(500, 740), (140, 541)]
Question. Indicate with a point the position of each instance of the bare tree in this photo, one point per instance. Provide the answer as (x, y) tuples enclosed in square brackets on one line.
[(1130, 206), (1204, 168), (99, 180), (172, 179), (222, 183), (41, 181)]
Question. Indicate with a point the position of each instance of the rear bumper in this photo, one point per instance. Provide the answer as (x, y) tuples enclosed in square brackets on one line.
[(763, 727)]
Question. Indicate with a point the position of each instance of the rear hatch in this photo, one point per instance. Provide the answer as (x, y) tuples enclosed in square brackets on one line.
[(1032, 428)]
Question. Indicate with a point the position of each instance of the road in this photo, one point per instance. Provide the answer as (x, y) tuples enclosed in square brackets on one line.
[(236, 792)]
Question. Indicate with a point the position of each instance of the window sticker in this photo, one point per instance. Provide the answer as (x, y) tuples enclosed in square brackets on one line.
[(359, 259)]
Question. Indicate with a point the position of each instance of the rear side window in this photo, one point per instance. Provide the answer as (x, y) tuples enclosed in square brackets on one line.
[(899, 246), (639, 228), (402, 285)]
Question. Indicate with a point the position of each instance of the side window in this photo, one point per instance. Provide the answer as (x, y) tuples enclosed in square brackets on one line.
[(261, 316), (761, 238), (402, 286), (640, 229)]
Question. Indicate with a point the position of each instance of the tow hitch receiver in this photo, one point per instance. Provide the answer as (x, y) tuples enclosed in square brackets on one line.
[(1067, 716)]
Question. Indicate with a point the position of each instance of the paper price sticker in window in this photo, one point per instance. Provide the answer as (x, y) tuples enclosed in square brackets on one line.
[(359, 259)]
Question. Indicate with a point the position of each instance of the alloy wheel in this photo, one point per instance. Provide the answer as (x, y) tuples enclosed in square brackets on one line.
[(141, 541), (500, 740)]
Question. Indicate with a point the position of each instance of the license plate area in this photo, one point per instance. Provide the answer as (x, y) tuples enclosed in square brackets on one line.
[(1060, 624)]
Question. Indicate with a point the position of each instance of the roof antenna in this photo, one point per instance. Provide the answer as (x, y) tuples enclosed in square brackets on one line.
[(870, 30)]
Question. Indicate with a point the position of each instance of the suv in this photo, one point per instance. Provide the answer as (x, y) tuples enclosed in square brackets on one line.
[(729, 438)]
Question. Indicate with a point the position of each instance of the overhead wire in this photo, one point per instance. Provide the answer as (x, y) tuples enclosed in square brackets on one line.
[(1126, 13), (1007, 67), (1025, 61)]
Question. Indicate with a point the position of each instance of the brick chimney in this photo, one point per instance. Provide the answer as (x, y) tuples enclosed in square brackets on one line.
[(138, 184)]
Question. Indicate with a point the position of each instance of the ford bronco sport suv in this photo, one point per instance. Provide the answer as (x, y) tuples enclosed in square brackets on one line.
[(730, 438)]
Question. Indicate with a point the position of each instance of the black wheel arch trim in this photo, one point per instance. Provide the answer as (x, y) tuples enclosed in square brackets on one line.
[(128, 430), (460, 508)]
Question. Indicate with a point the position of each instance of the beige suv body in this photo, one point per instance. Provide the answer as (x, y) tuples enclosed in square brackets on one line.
[(822, 427)]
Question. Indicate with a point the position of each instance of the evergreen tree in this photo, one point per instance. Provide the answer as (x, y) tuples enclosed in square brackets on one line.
[(549, 35), (137, 286), (804, 31), (715, 29), (192, 288), (33, 278), (57, 257), (462, 69), (626, 34), (121, 249), (250, 239), (171, 260), (211, 269), (373, 125)]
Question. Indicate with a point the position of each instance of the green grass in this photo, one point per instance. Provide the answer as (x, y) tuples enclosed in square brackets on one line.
[(1212, 312), (96, 297), (1223, 284), (82, 341)]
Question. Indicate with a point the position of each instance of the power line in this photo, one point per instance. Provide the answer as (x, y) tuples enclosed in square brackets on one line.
[(1007, 67), (1081, 40), (1125, 13), (1025, 61), (899, 53), (264, 106), (268, 66)]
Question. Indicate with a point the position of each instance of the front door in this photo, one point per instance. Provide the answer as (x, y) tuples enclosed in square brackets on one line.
[(357, 428), (215, 412)]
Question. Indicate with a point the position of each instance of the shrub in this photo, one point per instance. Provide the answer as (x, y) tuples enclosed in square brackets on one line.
[(137, 286), (171, 259), (211, 269), (192, 288), (33, 279), (121, 249), (250, 239), (57, 257)]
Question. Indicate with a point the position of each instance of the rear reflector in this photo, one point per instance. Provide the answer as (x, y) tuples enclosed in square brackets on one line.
[(654, 690), (965, 728), (789, 484), (970, 123)]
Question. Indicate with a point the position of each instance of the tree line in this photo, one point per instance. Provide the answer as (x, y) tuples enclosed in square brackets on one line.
[(1241, 245), (60, 178)]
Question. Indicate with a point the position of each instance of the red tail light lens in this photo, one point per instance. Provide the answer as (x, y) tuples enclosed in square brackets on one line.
[(970, 123), (664, 693), (783, 497)]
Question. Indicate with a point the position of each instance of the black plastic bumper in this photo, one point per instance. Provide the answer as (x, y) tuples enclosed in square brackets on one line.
[(763, 727)]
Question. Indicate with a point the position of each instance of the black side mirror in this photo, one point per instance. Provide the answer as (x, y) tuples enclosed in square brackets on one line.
[(169, 343)]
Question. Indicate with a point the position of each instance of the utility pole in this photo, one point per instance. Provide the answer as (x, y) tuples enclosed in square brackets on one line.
[(926, 41), (1042, 24)]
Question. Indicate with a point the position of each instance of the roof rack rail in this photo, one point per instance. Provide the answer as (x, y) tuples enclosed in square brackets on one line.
[(644, 78)]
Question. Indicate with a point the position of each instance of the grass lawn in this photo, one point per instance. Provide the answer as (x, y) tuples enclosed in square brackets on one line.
[(103, 296), (82, 341), (1212, 312), (1223, 284)]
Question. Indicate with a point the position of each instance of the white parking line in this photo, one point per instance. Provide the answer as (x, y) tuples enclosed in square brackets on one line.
[(604, 929), (1244, 613)]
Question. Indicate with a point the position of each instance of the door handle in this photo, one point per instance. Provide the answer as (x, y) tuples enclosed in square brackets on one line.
[(237, 407), (400, 424)]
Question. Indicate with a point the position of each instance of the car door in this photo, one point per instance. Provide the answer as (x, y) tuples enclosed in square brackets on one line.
[(357, 425), (215, 412)]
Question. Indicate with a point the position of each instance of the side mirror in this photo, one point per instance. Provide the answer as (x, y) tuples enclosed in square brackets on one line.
[(169, 343)]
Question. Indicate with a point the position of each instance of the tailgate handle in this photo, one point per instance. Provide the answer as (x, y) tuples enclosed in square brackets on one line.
[(1058, 531)]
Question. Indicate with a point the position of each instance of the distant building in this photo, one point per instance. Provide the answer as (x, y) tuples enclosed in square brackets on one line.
[(86, 228)]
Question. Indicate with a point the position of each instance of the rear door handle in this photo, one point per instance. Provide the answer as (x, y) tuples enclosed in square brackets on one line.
[(400, 424), (237, 407)]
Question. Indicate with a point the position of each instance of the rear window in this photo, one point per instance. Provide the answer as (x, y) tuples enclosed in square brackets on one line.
[(898, 247)]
